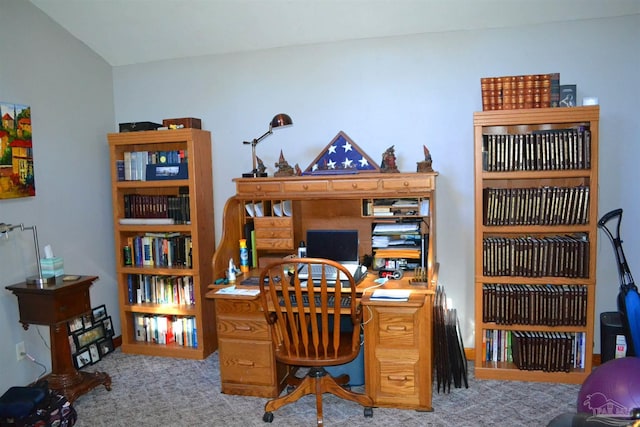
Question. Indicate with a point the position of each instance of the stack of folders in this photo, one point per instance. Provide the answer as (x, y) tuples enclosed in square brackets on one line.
[(391, 295)]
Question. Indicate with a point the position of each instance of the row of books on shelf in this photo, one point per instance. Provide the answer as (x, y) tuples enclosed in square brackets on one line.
[(158, 206), (558, 149), (160, 329), (547, 351), (522, 91), (159, 250), (531, 256), (520, 304), (158, 289), (536, 206), (133, 167)]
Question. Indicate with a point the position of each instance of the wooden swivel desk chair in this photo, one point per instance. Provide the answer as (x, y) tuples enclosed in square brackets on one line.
[(307, 331)]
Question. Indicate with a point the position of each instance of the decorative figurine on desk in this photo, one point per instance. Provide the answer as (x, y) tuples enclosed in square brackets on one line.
[(283, 167), (425, 165), (261, 167), (298, 170), (389, 161)]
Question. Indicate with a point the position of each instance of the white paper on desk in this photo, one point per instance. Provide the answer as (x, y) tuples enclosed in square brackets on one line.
[(232, 290), (391, 295)]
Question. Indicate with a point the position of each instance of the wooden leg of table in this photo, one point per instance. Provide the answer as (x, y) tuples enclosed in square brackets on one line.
[(64, 377)]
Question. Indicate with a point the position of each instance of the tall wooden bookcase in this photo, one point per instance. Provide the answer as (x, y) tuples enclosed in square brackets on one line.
[(162, 305), (536, 194)]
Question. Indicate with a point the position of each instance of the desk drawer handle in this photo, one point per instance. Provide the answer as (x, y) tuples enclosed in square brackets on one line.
[(246, 363), (396, 328), (397, 378), (354, 185), (406, 184), (258, 187), (243, 328), (305, 186)]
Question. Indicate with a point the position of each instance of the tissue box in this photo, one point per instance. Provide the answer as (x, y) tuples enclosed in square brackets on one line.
[(52, 267)]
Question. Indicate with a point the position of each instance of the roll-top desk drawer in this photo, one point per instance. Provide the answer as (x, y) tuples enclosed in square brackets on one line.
[(306, 186), (356, 185), (415, 183), (274, 233)]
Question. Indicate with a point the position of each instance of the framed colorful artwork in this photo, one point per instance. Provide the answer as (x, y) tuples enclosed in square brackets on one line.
[(16, 152)]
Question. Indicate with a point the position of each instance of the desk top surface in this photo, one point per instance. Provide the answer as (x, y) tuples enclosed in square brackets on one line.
[(62, 283), (364, 288)]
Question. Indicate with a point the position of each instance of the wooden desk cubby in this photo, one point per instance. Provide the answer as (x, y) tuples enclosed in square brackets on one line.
[(398, 360)]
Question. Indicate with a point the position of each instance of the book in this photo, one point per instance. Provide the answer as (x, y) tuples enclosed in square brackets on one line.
[(568, 96), (127, 165), (146, 221)]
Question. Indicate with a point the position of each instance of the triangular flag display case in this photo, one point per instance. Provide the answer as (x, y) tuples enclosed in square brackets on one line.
[(341, 156)]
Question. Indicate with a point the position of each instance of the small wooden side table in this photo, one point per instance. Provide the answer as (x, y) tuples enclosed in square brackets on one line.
[(54, 305)]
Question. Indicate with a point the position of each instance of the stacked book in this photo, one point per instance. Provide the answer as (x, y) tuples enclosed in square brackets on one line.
[(533, 256), (536, 206), (534, 350), (161, 329), (548, 351), (157, 289), (557, 149), (517, 92), (525, 304), (161, 250), (152, 206), (133, 167)]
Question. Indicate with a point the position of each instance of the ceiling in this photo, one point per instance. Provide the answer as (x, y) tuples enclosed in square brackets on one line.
[(127, 32)]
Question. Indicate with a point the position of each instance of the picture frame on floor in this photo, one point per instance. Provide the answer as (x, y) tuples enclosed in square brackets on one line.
[(105, 346), (99, 313), (87, 320), (89, 336), (75, 325), (72, 344), (94, 352), (108, 327), (82, 358)]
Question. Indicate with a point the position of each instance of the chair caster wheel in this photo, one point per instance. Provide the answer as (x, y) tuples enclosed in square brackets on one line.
[(267, 417), (368, 412), (290, 388)]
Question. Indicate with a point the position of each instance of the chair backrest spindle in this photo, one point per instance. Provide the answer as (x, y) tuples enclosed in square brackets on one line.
[(306, 313)]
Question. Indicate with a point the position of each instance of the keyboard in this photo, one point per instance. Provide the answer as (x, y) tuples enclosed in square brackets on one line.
[(345, 301), (331, 273)]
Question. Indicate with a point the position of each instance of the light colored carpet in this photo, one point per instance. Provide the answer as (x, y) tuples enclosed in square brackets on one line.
[(157, 391)]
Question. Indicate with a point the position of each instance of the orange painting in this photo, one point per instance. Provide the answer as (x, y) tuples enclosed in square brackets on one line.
[(16, 152)]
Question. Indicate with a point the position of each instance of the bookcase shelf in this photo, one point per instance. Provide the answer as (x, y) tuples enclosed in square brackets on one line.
[(538, 232), (189, 273)]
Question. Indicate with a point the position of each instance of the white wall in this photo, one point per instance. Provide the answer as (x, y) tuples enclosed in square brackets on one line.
[(404, 91), (69, 89)]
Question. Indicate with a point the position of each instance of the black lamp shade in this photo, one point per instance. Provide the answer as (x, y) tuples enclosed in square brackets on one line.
[(281, 120)]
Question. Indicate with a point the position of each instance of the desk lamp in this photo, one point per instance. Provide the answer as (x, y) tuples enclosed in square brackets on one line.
[(34, 280), (279, 120)]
